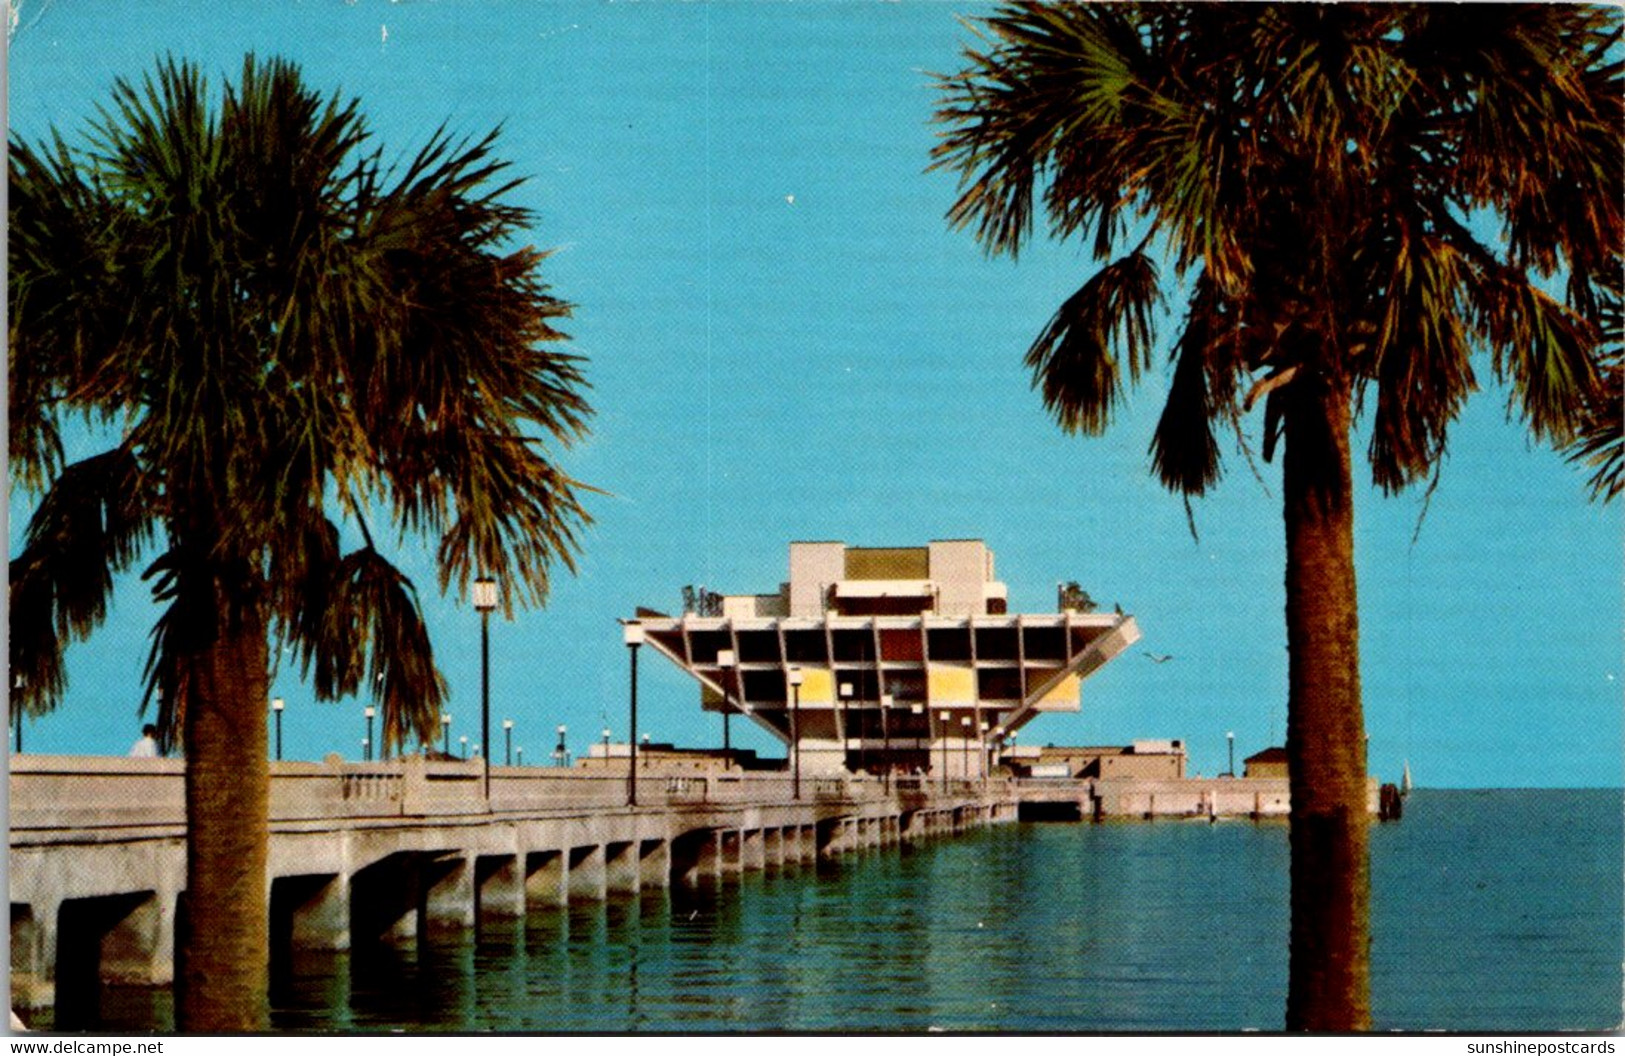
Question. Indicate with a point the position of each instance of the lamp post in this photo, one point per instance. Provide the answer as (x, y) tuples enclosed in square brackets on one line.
[(369, 711), (795, 732), (845, 693), (917, 709), (964, 745), (366, 749), (485, 599), (606, 745), (944, 717), (445, 728), (519, 754), (1231, 738), (885, 740), (277, 704), (558, 753), (17, 684), (507, 742), (463, 740), (632, 634), (725, 660)]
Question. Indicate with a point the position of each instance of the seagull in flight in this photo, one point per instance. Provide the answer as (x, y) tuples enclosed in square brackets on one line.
[(1162, 659)]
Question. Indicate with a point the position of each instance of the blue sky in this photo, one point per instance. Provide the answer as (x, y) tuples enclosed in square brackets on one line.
[(787, 342)]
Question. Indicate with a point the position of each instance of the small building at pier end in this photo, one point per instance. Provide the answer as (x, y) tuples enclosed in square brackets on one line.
[(899, 659)]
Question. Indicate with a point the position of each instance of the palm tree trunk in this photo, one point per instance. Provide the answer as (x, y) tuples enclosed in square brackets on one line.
[(1329, 984), (226, 948)]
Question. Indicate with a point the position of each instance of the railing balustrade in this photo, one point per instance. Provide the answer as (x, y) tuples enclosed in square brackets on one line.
[(110, 792)]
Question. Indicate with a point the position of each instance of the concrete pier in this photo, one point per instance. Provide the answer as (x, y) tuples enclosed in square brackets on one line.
[(389, 851)]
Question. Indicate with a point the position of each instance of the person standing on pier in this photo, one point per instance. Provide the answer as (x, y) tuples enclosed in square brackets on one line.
[(147, 746)]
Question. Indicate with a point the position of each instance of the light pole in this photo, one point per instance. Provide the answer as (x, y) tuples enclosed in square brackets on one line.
[(632, 633), (1231, 737), (485, 599), (964, 745), (507, 742), (795, 732), (990, 748), (558, 753), (463, 740), (885, 740), (606, 745), (277, 704), (725, 660), (17, 684), (519, 754), (445, 728), (845, 693), (945, 728), (366, 749), (369, 712), (916, 710)]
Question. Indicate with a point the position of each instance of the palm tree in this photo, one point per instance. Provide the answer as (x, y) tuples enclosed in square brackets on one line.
[(1320, 177), (276, 333)]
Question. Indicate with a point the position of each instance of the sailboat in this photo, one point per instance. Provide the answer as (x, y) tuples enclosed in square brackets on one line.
[(1405, 780)]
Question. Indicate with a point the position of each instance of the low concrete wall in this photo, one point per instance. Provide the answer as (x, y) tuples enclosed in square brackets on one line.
[(1140, 797)]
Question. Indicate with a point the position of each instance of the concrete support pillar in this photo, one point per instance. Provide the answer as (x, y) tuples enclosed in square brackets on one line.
[(708, 864), (587, 878), (33, 954), (621, 872), (773, 848), (139, 950), (448, 896), (654, 864), (753, 852), (730, 859), (322, 920), (547, 878), (501, 886)]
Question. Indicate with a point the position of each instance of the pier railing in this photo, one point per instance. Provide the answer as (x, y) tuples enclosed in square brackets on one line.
[(78, 792)]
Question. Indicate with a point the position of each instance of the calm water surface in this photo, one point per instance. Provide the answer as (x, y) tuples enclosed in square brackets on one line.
[(1495, 911)]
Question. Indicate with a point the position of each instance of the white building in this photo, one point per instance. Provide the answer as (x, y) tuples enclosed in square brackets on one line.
[(907, 656)]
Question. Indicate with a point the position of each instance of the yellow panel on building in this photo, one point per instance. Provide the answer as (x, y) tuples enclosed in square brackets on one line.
[(1063, 696), (951, 685), (817, 686), (913, 562)]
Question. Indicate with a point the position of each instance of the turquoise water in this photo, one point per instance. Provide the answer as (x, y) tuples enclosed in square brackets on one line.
[(1492, 911)]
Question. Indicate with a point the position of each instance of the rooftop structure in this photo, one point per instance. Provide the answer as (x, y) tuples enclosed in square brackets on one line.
[(1271, 762), (1161, 759), (900, 658)]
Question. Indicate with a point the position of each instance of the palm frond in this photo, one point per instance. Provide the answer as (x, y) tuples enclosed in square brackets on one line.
[(1184, 449), (90, 524), (1420, 351), (371, 632), (1100, 333)]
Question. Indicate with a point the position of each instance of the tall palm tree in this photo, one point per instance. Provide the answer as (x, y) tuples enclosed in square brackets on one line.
[(277, 333), (1320, 177)]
